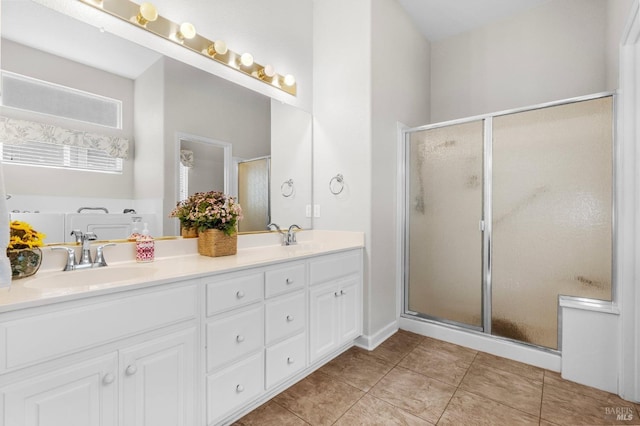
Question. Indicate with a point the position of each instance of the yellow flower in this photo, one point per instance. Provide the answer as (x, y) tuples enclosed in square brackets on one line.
[(22, 235)]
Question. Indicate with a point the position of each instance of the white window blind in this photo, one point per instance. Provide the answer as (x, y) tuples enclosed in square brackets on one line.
[(60, 156)]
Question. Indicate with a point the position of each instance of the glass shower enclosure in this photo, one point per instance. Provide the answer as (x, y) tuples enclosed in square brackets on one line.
[(505, 212)]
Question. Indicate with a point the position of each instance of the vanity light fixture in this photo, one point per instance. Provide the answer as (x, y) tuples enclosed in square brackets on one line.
[(246, 60), (267, 73), (186, 31), (218, 47), (145, 16), (289, 80), (147, 12)]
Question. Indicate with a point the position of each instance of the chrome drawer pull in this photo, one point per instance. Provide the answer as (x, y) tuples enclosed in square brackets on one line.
[(290, 360), (290, 318), (240, 294), (239, 388), (240, 338)]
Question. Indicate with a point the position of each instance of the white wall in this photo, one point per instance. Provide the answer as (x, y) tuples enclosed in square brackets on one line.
[(554, 51), (617, 15), (400, 82), (68, 183)]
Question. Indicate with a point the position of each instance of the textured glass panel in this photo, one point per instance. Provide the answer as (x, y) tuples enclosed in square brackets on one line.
[(253, 190), (445, 207), (552, 180)]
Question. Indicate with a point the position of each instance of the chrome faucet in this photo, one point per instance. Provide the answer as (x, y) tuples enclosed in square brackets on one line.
[(288, 238), (85, 255), (291, 236)]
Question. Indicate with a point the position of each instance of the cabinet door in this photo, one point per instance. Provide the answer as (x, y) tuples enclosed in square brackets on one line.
[(323, 323), (350, 309), (158, 381), (82, 395)]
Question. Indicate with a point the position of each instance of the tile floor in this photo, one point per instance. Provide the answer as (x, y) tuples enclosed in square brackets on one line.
[(416, 380)]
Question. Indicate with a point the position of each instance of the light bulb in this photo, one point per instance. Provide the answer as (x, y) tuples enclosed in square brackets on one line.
[(289, 80), (187, 31), (246, 59), (268, 72), (218, 47), (147, 13)]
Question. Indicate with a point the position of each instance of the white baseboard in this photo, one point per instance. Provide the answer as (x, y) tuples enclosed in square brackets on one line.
[(489, 344), (371, 342)]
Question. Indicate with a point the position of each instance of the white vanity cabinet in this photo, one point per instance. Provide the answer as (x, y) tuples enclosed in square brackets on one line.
[(335, 302), (125, 359), (187, 352)]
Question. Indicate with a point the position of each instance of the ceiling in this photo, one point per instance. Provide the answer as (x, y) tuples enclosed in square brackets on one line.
[(439, 19)]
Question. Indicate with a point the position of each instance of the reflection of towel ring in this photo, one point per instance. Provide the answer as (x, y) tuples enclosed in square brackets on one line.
[(289, 184), (340, 180)]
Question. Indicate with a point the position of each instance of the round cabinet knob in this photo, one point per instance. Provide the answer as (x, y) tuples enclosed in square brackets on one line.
[(289, 318), (239, 388), (290, 360), (336, 294), (131, 370), (342, 292), (239, 338), (289, 280), (108, 379), (240, 294)]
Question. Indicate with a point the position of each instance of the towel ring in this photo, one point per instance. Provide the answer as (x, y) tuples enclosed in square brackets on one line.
[(340, 180), (288, 190)]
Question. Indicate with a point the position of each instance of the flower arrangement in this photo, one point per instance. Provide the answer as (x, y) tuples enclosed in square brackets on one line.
[(23, 236), (209, 210)]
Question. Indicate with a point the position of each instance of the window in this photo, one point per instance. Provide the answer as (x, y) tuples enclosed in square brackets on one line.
[(34, 143), (30, 94)]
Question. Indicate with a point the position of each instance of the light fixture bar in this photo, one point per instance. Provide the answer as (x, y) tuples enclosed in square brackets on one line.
[(169, 30)]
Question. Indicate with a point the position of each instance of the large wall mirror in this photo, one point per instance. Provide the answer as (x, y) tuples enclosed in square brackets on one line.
[(168, 108)]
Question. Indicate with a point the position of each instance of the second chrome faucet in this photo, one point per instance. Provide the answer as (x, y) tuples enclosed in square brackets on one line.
[(288, 238)]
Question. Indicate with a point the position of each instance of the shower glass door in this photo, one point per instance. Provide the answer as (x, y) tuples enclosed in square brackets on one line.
[(506, 213), (552, 185), (444, 208)]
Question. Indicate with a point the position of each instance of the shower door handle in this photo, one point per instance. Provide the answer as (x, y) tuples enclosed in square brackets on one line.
[(481, 225)]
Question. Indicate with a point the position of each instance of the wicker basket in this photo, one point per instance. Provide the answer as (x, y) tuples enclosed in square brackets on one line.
[(214, 243), (189, 232)]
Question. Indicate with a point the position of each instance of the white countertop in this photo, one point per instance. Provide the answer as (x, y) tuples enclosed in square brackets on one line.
[(176, 260)]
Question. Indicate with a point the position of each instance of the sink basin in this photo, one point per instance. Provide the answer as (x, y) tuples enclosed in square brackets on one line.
[(88, 277)]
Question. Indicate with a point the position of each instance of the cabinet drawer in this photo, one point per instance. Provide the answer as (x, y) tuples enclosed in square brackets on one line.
[(234, 336), (41, 337), (282, 280), (234, 292), (284, 316), (335, 266), (231, 388), (285, 359)]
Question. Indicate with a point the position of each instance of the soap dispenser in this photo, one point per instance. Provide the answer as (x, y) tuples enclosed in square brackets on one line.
[(135, 228), (145, 246)]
